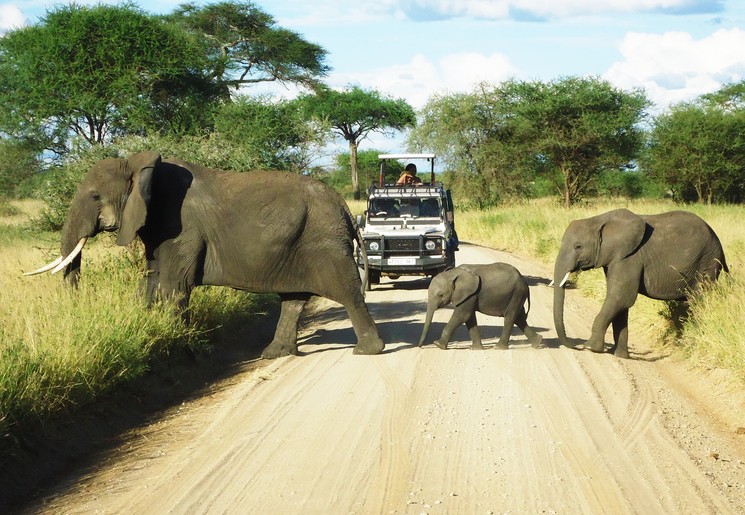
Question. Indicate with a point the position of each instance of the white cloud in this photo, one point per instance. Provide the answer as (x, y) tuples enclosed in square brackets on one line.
[(674, 67), (11, 17), (419, 79), (500, 9)]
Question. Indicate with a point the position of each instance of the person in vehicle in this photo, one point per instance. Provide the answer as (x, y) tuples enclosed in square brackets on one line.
[(408, 176)]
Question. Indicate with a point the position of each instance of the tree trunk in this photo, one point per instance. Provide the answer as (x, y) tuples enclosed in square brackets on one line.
[(355, 173)]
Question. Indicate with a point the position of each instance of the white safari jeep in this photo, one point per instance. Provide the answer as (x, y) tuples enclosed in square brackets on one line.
[(408, 229)]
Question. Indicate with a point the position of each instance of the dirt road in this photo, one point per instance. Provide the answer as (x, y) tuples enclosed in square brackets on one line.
[(429, 431)]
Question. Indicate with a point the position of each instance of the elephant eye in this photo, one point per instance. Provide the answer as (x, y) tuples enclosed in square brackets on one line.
[(95, 196)]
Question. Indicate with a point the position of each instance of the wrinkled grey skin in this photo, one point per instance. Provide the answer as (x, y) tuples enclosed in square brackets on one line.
[(665, 257), (496, 289), (257, 231)]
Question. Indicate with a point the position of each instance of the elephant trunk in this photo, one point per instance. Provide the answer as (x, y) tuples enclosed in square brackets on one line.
[(427, 322), (80, 224), (561, 273)]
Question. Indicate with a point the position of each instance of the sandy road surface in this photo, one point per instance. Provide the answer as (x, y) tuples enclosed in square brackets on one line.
[(428, 431)]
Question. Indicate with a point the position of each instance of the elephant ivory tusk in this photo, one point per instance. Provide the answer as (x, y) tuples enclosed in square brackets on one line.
[(45, 267), (563, 281), (71, 256)]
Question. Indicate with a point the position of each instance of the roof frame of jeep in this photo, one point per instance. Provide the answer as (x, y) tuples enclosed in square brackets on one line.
[(387, 157)]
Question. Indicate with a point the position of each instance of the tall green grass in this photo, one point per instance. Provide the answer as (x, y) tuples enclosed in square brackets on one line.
[(711, 336), (61, 348)]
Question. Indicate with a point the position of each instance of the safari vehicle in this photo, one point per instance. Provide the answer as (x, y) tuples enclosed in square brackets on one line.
[(408, 229)]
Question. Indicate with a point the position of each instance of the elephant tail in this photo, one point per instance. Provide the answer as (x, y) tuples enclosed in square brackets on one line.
[(361, 245)]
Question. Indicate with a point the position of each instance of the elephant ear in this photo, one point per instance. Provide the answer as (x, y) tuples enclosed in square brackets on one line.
[(465, 284), (140, 168), (618, 236)]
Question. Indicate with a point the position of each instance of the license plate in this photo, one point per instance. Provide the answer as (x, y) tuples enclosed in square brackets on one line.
[(402, 261)]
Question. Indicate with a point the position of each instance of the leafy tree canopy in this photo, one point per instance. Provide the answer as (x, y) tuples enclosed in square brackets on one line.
[(246, 47), (274, 131), (354, 113), (698, 148), (501, 138), (100, 72), (92, 72)]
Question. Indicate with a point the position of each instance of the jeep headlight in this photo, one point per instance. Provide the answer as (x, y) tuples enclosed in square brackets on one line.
[(430, 245), (374, 246)]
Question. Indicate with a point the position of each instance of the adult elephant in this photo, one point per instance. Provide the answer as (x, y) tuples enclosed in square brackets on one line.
[(257, 231), (665, 256)]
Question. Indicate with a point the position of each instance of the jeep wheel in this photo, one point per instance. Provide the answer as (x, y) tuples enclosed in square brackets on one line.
[(373, 277)]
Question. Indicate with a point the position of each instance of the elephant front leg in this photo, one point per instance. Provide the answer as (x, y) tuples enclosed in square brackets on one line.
[(473, 331), (455, 321), (285, 336), (621, 334), (619, 299)]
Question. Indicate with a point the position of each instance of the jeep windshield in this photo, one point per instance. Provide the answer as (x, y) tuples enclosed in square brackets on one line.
[(405, 207)]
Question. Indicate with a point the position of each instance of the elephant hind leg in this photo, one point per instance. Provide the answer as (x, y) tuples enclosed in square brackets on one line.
[(621, 334), (285, 336), (473, 331), (535, 339)]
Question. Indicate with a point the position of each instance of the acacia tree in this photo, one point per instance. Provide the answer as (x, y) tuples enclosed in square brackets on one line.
[(354, 113), (104, 71), (246, 47)]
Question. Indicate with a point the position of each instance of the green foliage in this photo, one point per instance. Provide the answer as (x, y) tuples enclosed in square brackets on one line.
[(698, 149), (631, 184), (273, 131), (246, 47), (354, 113), (18, 165), (368, 167), (98, 73), (513, 139)]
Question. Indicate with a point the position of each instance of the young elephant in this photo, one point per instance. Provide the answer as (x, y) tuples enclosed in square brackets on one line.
[(496, 289)]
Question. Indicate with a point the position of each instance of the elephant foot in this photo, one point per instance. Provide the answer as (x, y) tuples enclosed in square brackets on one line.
[(477, 347), (537, 342), (595, 346), (502, 346), (621, 353), (278, 349), (443, 346), (369, 346)]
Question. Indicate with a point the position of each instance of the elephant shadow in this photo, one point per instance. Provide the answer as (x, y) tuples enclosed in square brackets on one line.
[(421, 283), (490, 335), (399, 334)]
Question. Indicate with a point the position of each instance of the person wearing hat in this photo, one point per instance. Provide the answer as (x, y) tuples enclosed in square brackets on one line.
[(408, 176)]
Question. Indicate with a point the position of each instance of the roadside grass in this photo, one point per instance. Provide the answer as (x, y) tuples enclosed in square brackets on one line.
[(60, 348), (710, 336)]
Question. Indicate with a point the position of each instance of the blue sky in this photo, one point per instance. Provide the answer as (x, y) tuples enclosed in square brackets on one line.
[(674, 49)]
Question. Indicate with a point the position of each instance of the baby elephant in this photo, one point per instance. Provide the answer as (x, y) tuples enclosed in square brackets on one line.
[(497, 289)]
